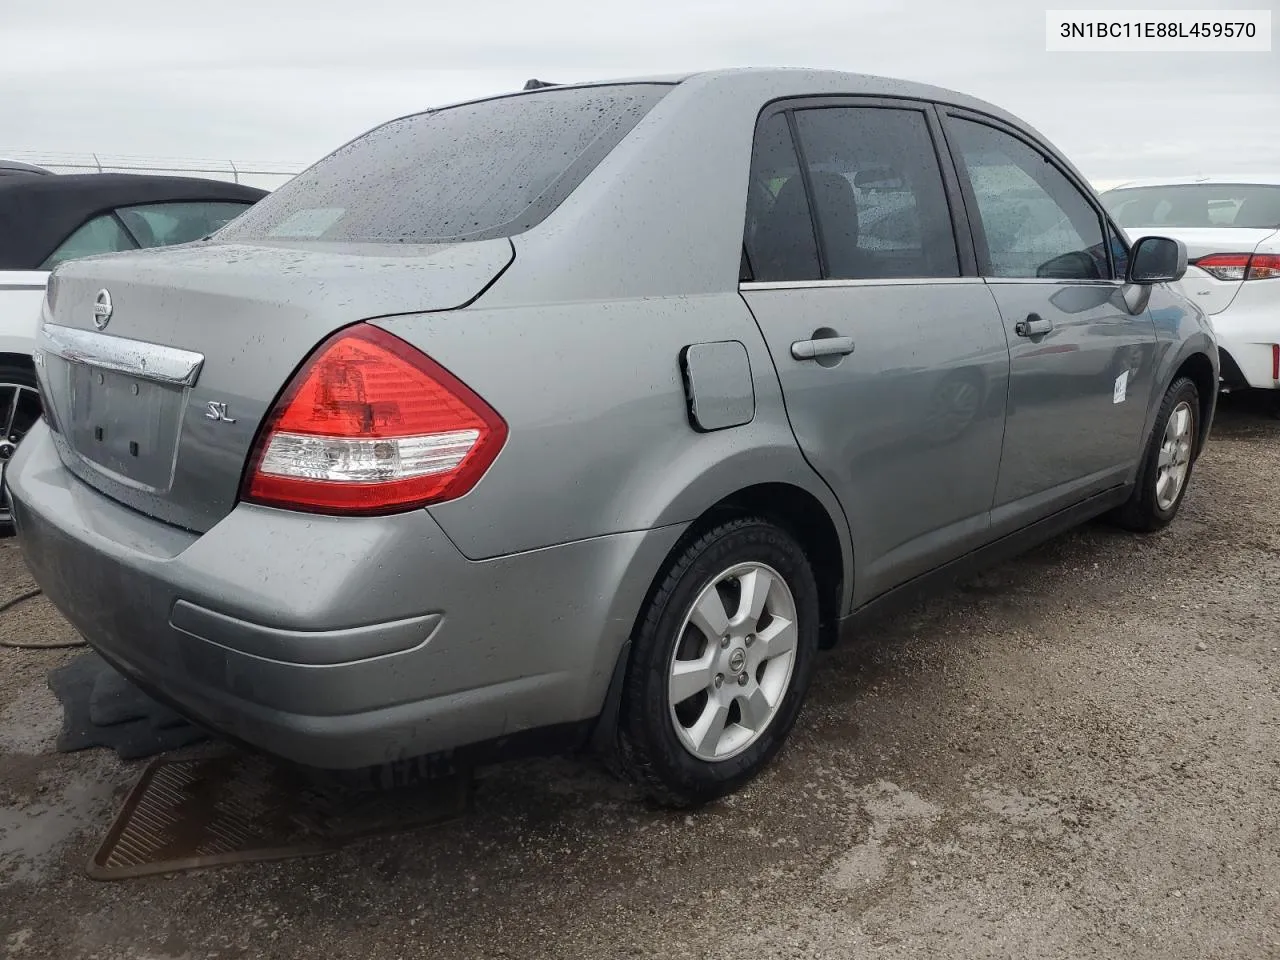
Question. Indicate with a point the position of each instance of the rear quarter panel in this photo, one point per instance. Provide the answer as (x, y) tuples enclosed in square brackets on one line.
[(600, 440), (577, 345)]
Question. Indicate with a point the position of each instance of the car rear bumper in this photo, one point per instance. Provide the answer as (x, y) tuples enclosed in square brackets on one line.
[(1246, 364), (335, 642), (1247, 332)]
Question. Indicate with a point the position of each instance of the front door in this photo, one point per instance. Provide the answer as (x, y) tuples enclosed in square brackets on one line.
[(1081, 370), (893, 364)]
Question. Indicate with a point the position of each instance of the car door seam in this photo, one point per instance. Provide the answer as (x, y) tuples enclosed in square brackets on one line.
[(786, 412), (1008, 391)]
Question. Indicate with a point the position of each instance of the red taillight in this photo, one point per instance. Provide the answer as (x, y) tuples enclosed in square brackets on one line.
[(1241, 266), (1225, 266), (1263, 266), (372, 425), (1275, 361)]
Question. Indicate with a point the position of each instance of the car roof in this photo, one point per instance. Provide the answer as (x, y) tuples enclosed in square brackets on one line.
[(38, 213), (1265, 179), (789, 82)]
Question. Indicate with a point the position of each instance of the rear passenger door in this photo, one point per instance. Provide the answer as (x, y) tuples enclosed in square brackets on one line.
[(890, 351), (1081, 362)]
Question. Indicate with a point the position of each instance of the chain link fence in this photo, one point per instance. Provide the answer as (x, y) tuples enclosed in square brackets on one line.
[(264, 174)]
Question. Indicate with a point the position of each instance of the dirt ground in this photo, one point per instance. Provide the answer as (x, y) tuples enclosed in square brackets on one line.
[(1075, 755)]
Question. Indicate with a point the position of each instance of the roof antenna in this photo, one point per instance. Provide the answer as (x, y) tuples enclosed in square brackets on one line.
[(538, 84)]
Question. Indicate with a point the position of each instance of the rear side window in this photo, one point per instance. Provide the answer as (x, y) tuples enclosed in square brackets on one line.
[(877, 193), (779, 235), (1036, 222), (164, 224), (471, 172), (102, 234)]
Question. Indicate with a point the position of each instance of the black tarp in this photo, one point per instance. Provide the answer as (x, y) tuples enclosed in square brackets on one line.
[(38, 213)]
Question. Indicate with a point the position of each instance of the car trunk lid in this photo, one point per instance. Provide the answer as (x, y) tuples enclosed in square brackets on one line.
[(1208, 292), (158, 406)]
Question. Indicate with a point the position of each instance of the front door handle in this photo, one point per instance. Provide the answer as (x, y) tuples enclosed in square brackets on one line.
[(823, 347), (1034, 326)]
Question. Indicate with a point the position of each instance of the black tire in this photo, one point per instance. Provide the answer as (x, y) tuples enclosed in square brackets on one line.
[(651, 752), (1142, 513), (11, 374)]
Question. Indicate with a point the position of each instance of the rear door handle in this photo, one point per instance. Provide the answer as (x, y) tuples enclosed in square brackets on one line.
[(825, 347), (1034, 326)]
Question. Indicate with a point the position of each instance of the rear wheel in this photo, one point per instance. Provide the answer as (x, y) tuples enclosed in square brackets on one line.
[(720, 663), (19, 410), (1167, 461)]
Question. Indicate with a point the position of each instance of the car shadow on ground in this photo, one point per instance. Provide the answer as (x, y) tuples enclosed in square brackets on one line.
[(1247, 415)]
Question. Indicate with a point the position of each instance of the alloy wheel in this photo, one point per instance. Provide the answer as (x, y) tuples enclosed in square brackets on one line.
[(19, 410), (733, 661), (1174, 459)]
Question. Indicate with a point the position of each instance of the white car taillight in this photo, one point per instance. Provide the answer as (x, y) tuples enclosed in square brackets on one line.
[(1241, 266)]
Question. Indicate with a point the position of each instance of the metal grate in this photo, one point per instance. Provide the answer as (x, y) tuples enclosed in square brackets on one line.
[(234, 808)]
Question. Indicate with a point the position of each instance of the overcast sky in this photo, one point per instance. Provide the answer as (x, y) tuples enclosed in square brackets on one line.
[(288, 80)]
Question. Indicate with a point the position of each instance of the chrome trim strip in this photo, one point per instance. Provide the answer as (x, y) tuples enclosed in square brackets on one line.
[(32, 287), (1059, 282), (885, 282), (913, 281), (136, 358)]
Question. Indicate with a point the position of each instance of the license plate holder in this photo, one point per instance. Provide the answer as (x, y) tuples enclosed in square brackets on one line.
[(125, 424)]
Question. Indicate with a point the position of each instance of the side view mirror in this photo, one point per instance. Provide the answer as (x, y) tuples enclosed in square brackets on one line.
[(1157, 260)]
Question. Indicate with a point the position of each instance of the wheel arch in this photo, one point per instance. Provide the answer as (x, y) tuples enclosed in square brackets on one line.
[(1200, 370), (807, 518), (1233, 377)]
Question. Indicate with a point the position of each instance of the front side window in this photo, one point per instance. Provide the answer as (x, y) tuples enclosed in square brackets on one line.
[(470, 172), (878, 198), (1036, 222), (164, 224), (102, 234), (1119, 252)]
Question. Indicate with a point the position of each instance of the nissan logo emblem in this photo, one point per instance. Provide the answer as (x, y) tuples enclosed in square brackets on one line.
[(102, 310)]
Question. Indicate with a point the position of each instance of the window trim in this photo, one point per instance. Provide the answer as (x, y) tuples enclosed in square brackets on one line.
[(1113, 228), (806, 181), (961, 231), (858, 282), (115, 212), (981, 248)]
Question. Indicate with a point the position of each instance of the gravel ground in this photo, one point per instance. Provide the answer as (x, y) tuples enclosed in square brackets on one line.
[(1074, 755)]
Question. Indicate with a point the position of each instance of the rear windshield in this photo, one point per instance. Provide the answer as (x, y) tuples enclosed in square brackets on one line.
[(1196, 205), (471, 172)]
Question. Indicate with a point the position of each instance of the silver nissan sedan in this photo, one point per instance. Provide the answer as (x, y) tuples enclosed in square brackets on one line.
[(592, 412)]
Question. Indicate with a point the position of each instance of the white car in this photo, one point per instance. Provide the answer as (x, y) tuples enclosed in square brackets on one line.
[(46, 219), (1231, 226)]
